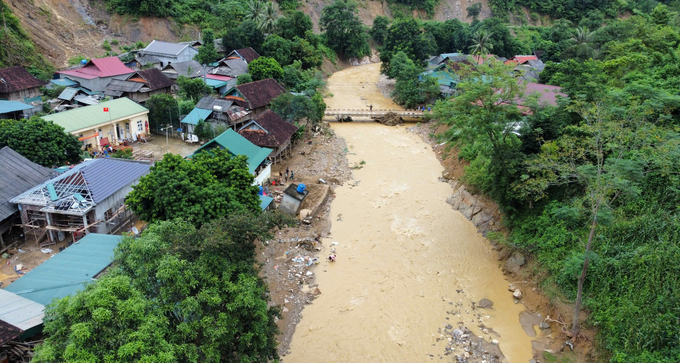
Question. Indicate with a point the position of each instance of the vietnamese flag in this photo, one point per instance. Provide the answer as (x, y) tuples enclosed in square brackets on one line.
[(106, 109)]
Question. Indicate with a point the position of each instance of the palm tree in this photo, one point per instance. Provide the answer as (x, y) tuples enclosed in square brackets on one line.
[(482, 43), (255, 9), (582, 36), (268, 17)]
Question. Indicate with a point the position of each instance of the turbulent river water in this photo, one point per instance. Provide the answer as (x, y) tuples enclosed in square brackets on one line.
[(404, 256)]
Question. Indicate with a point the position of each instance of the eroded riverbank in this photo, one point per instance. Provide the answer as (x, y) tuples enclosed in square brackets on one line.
[(409, 267)]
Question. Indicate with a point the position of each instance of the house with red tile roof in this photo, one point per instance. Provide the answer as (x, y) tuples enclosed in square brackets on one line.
[(16, 84), (96, 74), (271, 131), (255, 96)]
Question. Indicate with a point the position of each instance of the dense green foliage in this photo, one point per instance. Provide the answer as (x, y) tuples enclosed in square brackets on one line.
[(411, 88), (379, 29), (40, 141), (163, 110), (265, 67), (603, 161), (208, 186), (295, 108), (192, 88), (17, 48), (343, 29), (175, 294), (207, 53)]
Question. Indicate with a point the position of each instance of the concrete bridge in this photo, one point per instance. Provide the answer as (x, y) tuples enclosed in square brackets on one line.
[(332, 112)]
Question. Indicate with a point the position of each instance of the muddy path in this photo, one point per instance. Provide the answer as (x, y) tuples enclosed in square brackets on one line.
[(410, 270)]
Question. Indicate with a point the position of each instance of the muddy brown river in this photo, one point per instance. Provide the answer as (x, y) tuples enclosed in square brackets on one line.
[(404, 256)]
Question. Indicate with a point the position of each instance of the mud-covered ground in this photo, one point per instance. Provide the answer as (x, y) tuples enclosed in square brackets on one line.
[(288, 258)]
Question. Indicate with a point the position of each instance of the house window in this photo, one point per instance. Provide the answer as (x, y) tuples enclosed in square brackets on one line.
[(140, 126), (127, 127)]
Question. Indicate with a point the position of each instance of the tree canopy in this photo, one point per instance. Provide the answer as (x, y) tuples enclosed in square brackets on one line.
[(40, 141), (265, 67), (175, 294), (343, 29), (210, 185)]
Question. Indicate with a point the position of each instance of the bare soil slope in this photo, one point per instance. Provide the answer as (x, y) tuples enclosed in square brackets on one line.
[(62, 29)]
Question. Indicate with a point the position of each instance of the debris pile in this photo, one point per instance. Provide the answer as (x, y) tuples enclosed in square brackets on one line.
[(390, 119), (466, 347)]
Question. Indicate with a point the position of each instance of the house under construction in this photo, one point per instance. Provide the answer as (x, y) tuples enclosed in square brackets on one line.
[(90, 197)]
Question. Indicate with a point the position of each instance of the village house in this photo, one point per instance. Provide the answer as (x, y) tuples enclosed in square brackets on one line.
[(255, 96), (168, 53), (236, 144), (88, 198), (108, 122), (140, 86), (230, 67), (19, 175), (547, 95), (14, 110), (16, 84), (77, 97), (145, 61), (271, 131), (97, 73), (59, 276), (247, 54), (216, 111), (189, 69)]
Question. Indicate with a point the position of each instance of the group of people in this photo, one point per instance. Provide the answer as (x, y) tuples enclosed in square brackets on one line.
[(288, 172)]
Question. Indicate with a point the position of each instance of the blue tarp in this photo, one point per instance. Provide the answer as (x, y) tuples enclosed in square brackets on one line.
[(195, 115)]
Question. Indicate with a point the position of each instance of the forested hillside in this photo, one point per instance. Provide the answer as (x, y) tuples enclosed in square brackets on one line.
[(589, 187)]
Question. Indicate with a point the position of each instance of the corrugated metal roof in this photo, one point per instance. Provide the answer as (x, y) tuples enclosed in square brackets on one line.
[(18, 175), (20, 311), (195, 115), (238, 145), (124, 86), (208, 102), (65, 82), (265, 201), (13, 106), (68, 93), (215, 83), (106, 176), (158, 47), (84, 117), (67, 271), (86, 100)]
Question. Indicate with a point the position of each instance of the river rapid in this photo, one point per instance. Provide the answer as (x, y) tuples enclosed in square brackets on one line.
[(405, 259)]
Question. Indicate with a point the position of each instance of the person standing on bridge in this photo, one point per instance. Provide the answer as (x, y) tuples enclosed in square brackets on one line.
[(371, 108)]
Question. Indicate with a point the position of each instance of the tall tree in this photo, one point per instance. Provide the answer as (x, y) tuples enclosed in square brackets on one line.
[(295, 24), (344, 31), (163, 110), (481, 43), (412, 88), (268, 18), (595, 155), (192, 88), (40, 141), (207, 53), (379, 29), (255, 9)]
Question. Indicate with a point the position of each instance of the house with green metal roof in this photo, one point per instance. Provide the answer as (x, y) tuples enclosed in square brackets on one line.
[(68, 271), (109, 122), (258, 163)]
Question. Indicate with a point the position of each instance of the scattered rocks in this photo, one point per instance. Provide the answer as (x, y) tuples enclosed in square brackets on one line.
[(485, 304), (544, 325), (514, 263), (517, 294)]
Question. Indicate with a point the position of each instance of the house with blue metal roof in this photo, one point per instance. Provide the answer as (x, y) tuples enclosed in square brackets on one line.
[(14, 110), (90, 197), (68, 271)]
